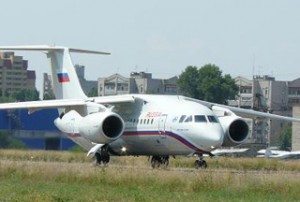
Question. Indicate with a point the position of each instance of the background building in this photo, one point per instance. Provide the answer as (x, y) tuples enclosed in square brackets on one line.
[(264, 93), (36, 130), (86, 85), (138, 82), (47, 87), (296, 129), (14, 75)]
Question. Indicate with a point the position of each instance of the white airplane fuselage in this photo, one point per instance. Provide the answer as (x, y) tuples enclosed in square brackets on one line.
[(162, 125)]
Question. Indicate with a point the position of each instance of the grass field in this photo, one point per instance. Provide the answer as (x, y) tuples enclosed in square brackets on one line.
[(67, 176)]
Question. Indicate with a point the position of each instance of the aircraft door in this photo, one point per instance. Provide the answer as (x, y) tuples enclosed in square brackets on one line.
[(162, 125), (72, 126)]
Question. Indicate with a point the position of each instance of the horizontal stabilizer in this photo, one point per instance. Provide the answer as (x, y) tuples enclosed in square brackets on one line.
[(50, 48)]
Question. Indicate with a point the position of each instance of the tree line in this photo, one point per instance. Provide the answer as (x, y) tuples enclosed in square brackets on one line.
[(20, 96), (207, 83)]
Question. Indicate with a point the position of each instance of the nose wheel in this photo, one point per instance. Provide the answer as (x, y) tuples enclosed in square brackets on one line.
[(157, 161), (200, 163), (102, 157)]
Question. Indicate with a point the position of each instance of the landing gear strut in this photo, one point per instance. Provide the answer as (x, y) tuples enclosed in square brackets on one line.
[(102, 156), (200, 163), (156, 161)]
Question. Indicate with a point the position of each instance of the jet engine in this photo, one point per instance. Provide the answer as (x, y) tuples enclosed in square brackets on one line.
[(235, 128), (101, 127)]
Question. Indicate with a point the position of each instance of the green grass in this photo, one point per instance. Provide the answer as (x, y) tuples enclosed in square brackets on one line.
[(57, 176)]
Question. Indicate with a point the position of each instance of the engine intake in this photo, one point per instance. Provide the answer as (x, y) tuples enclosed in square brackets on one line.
[(236, 130), (112, 126), (101, 127)]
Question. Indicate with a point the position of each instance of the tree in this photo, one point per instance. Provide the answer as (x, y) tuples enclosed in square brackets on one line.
[(93, 92), (48, 96), (285, 137), (188, 81), (6, 141), (207, 83), (26, 95)]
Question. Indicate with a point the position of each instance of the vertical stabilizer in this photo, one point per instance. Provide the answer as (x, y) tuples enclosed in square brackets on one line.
[(65, 80)]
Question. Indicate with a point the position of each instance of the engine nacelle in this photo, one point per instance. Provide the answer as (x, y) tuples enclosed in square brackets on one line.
[(235, 129), (101, 127)]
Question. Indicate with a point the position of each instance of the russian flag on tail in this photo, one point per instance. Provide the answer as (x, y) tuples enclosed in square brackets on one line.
[(63, 77)]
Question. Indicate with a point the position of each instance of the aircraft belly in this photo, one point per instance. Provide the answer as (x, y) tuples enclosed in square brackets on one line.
[(81, 141), (149, 145)]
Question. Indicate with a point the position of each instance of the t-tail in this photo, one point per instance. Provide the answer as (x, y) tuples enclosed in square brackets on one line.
[(65, 80)]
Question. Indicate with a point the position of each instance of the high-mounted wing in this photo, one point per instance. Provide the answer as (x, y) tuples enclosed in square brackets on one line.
[(44, 104), (63, 103), (247, 113)]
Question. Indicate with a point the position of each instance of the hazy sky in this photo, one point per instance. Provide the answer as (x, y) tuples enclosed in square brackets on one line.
[(161, 37)]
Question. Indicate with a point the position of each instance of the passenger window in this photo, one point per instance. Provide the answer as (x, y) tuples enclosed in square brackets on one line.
[(148, 120), (182, 118), (200, 119), (152, 121), (141, 121), (188, 119), (212, 119)]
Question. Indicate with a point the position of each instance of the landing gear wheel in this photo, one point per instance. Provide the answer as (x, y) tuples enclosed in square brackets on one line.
[(105, 159), (98, 159), (156, 161), (102, 158), (200, 164)]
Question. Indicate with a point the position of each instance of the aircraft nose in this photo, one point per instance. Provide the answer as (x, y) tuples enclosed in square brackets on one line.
[(215, 137)]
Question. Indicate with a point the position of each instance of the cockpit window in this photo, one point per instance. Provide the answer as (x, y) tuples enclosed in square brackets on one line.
[(188, 119), (200, 119), (182, 118), (212, 119)]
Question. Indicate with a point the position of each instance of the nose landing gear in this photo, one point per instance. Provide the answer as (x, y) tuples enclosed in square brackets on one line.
[(102, 156), (200, 163), (156, 161)]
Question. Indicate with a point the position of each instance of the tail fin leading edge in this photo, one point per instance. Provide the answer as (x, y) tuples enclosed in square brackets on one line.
[(65, 81)]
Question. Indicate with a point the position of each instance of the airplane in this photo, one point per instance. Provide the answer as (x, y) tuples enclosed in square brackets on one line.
[(158, 126), (279, 154), (230, 151)]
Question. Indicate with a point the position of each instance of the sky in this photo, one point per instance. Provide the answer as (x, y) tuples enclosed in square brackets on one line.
[(242, 38)]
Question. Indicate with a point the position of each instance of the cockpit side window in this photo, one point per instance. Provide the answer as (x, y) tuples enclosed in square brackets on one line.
[(188, 119), (182, 118), (212, 119), (200, 119)]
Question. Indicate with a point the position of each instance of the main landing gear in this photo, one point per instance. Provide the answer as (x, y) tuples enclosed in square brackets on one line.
[(200, 163), (157, 161), (102, 157)]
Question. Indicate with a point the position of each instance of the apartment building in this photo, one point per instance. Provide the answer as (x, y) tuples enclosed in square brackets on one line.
[(138, 82), (265, 93), (14, 74), (86, 85)]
